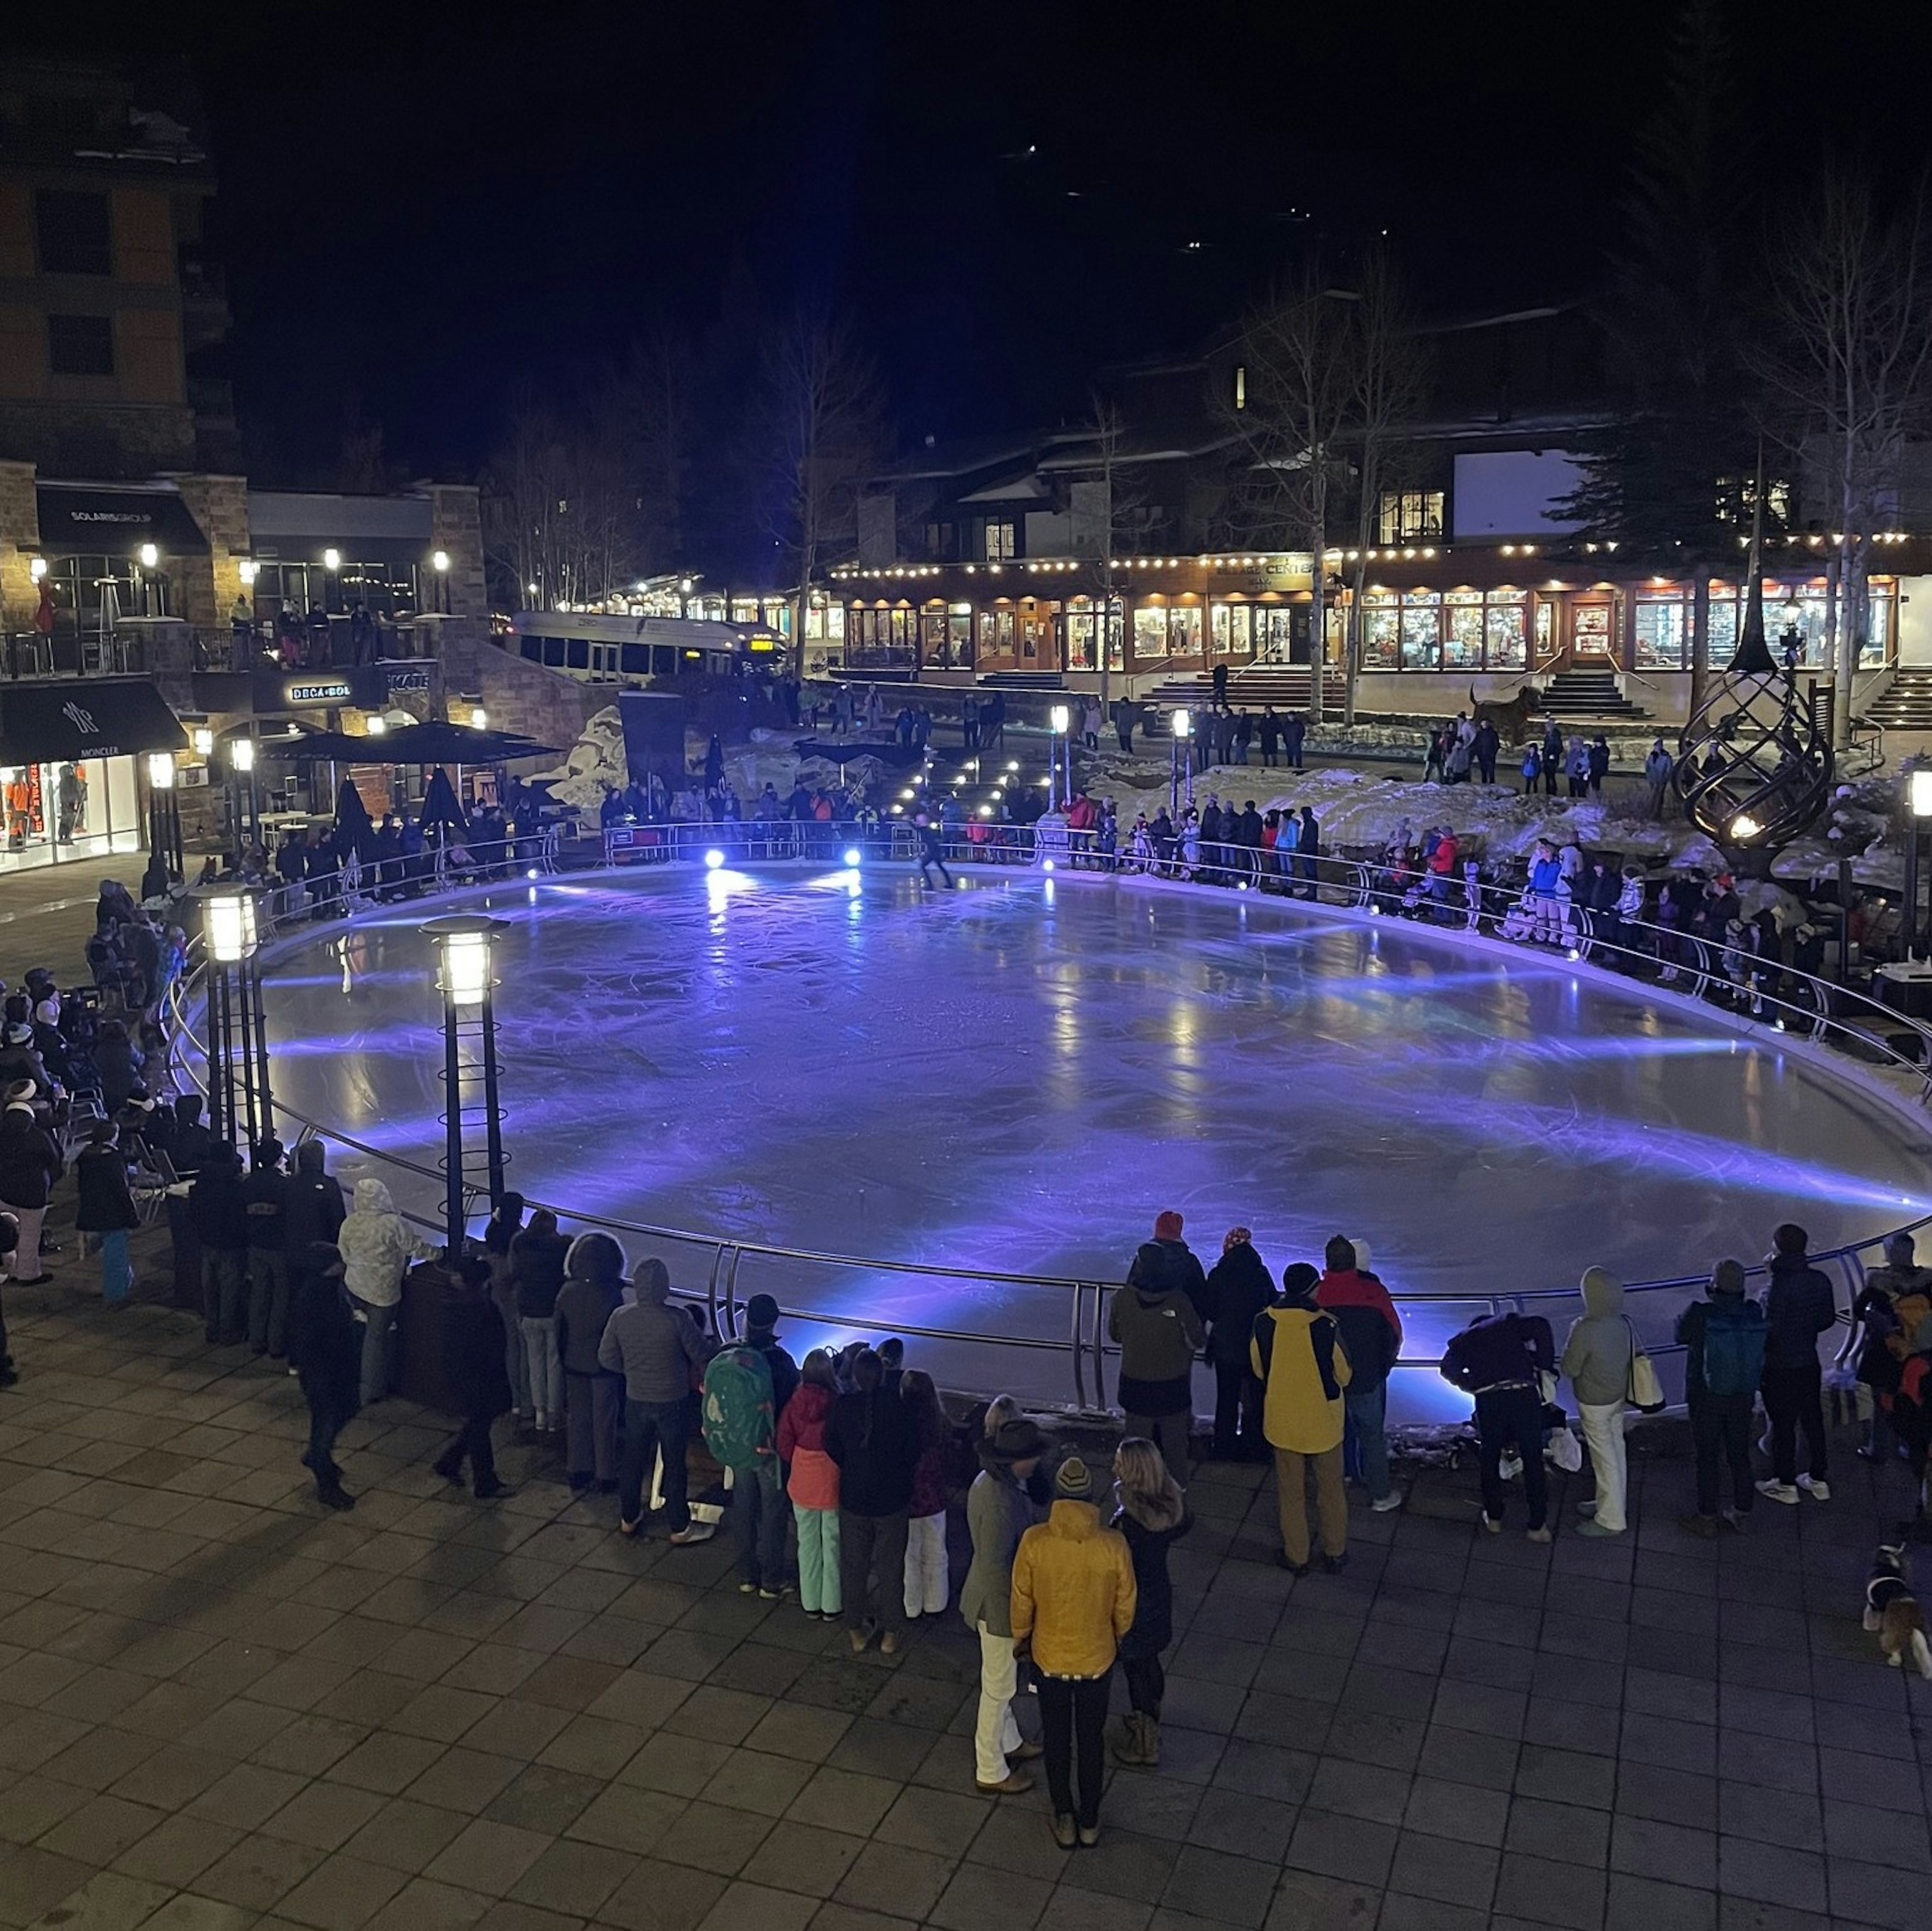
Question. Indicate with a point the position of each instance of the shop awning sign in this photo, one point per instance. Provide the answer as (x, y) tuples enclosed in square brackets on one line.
[(67, 723)]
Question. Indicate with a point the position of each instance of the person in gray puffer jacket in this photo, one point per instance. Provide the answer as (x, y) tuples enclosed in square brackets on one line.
[(592, 1291), (1596, 1358)]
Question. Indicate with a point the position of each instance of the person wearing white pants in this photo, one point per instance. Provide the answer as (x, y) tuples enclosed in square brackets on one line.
[(927, 1583), (999, 1511), (1596, 1358)]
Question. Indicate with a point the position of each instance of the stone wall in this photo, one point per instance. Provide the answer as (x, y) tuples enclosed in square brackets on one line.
[(208, 587), (19, 541), (546, 704)]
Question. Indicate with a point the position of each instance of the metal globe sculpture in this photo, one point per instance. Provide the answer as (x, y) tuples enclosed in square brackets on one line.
[(1753, 769)]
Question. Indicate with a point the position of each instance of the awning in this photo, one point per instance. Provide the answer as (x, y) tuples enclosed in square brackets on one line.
[(77, 522), (69, 722)]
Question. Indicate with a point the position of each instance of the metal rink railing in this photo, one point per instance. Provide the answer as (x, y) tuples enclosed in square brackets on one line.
[(732, 1269)]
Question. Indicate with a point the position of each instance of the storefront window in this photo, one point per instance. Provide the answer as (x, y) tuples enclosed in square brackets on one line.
[(1240, 633), (959, 637), (1662, 633), (1462, 639), (1274, 633), (1505, 639), (57, 811), (1003, 633), (1421, 629), (1150, 633), (932, 633), (1218, 627), (1183, 630), (1381, 627), (1545, 630)]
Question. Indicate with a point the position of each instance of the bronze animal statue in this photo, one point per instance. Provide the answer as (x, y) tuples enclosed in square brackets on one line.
[(1511, 719)]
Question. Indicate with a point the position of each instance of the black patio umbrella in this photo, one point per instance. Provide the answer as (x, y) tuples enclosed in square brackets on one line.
[(439, 804), (354, 830), (889, 752), (438, 742), (313, 746)]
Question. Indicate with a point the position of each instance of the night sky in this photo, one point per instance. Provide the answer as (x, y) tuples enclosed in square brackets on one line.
[(426, 207)]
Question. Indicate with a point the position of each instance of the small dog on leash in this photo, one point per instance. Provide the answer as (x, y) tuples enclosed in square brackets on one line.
[(1892, 1611)]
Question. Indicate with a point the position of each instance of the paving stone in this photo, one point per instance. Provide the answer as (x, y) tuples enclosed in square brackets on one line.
[(1352, 1849), (1444, 1869), (891, 1878)]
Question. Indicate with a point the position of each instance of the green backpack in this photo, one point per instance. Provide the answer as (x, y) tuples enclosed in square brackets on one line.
[(738, 1429)]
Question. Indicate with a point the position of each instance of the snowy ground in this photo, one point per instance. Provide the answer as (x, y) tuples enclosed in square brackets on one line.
[(1017, 1076)]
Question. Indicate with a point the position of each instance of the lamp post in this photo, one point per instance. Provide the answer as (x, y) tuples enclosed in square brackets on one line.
[(1918, 792), (439, 562), (1059, 760), (465, 976), (1180, 761), (238, 1044), (163, 812), (241, 765)]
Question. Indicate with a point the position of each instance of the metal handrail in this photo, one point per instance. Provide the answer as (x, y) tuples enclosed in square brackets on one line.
[(1086, 1336)]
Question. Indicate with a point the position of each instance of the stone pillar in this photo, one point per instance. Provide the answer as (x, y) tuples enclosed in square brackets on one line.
[(456, 526), (208, 590), (20, 543)]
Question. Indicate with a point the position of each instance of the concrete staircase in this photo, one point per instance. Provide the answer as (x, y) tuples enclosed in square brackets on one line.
[(1287, 688), (1023, 680), (1587, 696), (1904, 705)]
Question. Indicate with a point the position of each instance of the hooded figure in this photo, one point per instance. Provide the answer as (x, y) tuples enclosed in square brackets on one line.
[(1597, 1361), (592, 1291), (656, 1349), (375, 1247), (1156, 1319)]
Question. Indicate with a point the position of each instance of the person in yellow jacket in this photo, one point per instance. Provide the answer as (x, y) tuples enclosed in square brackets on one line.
[(1296, 1350), (1073, 1599)]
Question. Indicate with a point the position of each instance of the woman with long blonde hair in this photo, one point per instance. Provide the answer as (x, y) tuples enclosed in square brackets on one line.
[(1152, 1514)]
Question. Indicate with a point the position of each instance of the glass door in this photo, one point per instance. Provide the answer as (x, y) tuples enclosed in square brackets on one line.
[(1593, 633)]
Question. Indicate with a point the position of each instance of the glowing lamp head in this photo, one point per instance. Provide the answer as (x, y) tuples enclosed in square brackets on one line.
[(1061, 718), (204, 740), (1744, 828), (228, 925), (377, 725), (532, 873), (331, 558), (150, 556), (161, 770), (854, 856), (1046, 865), (479, 718), (439, 562), (37, 568), (466, 966), (248, 570), (1921, 794), (713, 859), (1183, 723), (242, 755)]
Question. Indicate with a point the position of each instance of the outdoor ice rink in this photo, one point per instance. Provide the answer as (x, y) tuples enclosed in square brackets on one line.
[(1017, 1075)]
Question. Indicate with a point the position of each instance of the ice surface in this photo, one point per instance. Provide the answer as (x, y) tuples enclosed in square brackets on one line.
[(1018, 1075)]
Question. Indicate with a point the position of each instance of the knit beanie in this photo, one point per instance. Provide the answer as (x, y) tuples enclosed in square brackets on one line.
[(1728, 1278), (1167, 1226), (1073, 1481)]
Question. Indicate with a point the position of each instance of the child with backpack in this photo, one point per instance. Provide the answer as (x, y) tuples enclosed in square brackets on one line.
[(812, 1484), (1722, 1338), (928, 1585)]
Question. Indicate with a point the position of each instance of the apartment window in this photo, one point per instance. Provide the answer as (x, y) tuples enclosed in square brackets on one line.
[(1409, 516), (74, 239), (1001, 541), (80, 345)]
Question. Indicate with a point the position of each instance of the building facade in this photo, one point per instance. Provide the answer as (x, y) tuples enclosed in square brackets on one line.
[(113, 310)]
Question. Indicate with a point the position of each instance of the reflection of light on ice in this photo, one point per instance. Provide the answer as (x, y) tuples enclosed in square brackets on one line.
[(788, 1055)]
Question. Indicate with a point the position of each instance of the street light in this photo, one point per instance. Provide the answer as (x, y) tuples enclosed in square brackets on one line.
[(479, 718), (248, 570), (439, 562), (1180, 762), (163, 812), (204, 740), (37, 568), (331, 560), (1059, 749), (150, 556), (465, 976), (241, 766), (230, 931)]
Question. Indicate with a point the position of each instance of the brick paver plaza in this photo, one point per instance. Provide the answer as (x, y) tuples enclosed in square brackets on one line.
[(221, 1707)]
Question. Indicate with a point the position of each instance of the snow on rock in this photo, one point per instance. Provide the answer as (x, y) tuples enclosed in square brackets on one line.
[(595, 761)]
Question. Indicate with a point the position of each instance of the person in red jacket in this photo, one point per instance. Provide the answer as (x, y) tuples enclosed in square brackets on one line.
[(812, 1484), (1372, 1333)]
